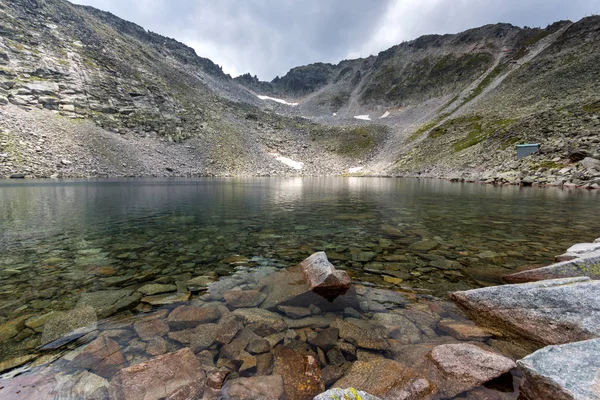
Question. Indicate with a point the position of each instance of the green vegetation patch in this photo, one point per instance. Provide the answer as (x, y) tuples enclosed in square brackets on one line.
[(593, 107), (349, 141)]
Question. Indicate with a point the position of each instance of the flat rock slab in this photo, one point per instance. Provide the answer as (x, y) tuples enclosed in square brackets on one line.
[(76, 322), (362, 333), (157, 378), (548, 312), (588, 265), (109, 302), (565, 372), (260, 387), (301, 374), (188, 317)]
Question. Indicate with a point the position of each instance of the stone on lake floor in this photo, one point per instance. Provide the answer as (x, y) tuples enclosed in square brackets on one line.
[(463, 330), (564, 372), (588, 265), (295, 312), (244, 298), (548, 312), (81, 385), (102, 357), (156, 288), (199, 283), (12, 363), (157, 378), (188, 317), (326, 339), (147, 330), (199, 338), (383, 377), (73, 323), (259, 387), (345, 394), (262, 320), (289, 288), (465, 366), (362, 333), (301, 374), (12, 328), (109, 302), (166, 299)]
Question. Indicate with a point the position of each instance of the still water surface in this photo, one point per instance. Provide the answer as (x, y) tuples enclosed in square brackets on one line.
[(62, 239)]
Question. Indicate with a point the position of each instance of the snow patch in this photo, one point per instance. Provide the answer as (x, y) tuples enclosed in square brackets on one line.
[(287, 161), (277, 100), (386, 114), (363, 117), (355, 169), (334, 114)]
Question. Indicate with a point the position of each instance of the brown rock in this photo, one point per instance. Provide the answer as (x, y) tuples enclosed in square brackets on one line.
[(258, 346), (243, 298), (378, 377), (260, 387), (331, 374), (189, 317), (191, 391), (199, 338), (156, 346), (264, 364), (229, 326), (102, 357), (463, 331), (363, 333), (301, 374), (157, 378), (147, 330), (215, 380), (466, 366), (166, 299), (323, 278), (325, 339)]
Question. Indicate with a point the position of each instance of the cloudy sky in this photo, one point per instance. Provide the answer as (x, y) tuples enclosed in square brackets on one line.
[(268, 37)]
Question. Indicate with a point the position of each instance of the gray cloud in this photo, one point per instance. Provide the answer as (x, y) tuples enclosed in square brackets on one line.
[(268, 37)]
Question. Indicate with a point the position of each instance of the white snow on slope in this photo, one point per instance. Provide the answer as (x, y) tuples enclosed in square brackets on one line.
[(287, 161), (363, 117), (355, 169), (277, 100), (386, 114)]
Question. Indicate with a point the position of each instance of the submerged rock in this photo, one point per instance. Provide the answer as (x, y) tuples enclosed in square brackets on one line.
[(109, 302), (259, 387), (188, 317), (74, 323), (548, 312), (362, 333), (157, 378), (566, 372), (385, 378), (301, 374), (102, 357), (243, 298)]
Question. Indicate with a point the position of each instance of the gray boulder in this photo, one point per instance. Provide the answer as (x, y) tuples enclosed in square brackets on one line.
[(548, 312), (588, 265), (566, 372)]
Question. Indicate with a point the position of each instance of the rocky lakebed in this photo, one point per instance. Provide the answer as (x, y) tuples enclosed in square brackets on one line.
[(293, 333)]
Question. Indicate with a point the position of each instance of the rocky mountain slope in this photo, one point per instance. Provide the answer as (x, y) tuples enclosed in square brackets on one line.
[(85, 93)]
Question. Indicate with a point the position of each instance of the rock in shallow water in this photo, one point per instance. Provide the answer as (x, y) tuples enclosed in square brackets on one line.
[(76, 322), (588, 265), (566, 372), (157, 378), (260, 387), (323, 278), (301, 374), (549, 312)]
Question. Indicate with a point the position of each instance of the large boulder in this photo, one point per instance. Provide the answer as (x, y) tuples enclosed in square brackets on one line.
[(565, 372), (157, 378), (588, 265), (465, 366), (548, 312), (323, 278)]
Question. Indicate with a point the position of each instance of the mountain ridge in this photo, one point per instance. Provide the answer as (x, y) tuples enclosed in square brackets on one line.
[(439, 105)]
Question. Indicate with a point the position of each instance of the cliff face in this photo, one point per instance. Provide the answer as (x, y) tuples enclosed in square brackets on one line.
[(79, 83)]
